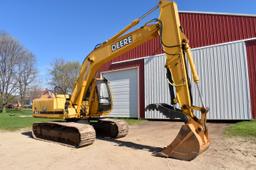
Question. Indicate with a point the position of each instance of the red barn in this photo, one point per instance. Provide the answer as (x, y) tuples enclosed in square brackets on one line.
[(224, 48)]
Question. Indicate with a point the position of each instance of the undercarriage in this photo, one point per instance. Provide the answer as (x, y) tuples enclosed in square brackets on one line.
[(80, 133)]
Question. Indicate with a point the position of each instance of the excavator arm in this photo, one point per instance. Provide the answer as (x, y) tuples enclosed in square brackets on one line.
[(83, 103), (105, 52), (193, 136)]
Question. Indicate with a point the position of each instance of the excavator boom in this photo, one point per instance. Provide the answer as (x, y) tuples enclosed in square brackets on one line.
[(192, 138), (88, 100)]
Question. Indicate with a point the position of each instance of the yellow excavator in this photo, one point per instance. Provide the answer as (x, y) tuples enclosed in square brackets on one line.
[(84, 111)]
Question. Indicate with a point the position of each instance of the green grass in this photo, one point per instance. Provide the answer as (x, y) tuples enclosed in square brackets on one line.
[(17, 119), (134, 121), (242, 129)]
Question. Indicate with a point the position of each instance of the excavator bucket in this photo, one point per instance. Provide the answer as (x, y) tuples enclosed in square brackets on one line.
[(191, 140), (187, 145)]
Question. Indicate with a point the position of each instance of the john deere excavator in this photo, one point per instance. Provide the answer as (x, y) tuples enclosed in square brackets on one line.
[(84, 110)]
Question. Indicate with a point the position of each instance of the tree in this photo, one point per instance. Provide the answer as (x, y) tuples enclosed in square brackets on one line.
[(26, 74), (64, 74), (10, 50), (34, 92), (13, 57)]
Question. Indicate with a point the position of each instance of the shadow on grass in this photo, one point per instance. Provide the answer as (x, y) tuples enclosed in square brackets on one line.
[(132, 145)]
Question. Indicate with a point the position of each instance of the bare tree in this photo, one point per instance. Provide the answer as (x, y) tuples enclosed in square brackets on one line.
[(64, 74), (13, 57), (10, 50), (35, 92), (26, 74)]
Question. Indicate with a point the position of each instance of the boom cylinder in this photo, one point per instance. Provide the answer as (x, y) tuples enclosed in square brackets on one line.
[(191, 63)]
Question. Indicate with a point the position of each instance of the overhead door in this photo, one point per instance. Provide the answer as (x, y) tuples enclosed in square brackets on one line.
[(124, 89), (223, 82)]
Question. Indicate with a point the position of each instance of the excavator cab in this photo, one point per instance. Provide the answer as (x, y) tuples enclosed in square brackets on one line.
[(104, 95)]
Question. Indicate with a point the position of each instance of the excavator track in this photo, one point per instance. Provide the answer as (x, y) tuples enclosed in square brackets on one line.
[(76, 134), (111, 128)]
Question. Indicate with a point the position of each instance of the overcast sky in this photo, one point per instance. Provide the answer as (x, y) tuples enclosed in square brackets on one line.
[(71, 28)]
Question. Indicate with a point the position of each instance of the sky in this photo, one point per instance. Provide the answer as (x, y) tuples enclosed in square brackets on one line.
[(70, 29)]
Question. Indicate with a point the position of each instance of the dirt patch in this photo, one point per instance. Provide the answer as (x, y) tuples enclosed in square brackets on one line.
[(19, 151), (25, 116)]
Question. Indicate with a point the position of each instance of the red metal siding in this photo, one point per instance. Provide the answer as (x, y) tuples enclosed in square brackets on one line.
[(202, 30), (149, 48), (251, 59), (137, 63), (208, 29)]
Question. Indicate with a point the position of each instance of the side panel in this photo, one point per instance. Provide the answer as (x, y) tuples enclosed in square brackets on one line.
[(224, 82), (251, 56), (124, 89), (156, 85)]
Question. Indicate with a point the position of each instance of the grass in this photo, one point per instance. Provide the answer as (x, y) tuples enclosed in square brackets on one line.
[(242, 129), (17, 119), (134, 121)]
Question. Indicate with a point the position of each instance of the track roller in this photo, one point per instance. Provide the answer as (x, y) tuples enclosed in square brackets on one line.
[(68, 133), (111, 128)]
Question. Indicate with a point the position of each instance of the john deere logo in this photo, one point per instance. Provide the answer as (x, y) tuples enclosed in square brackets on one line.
[(121, 43)]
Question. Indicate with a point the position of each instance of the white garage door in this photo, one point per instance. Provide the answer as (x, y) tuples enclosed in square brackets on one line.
[(124, 89)]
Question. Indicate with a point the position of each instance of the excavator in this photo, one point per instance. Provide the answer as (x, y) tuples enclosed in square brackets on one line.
[(83, 113)]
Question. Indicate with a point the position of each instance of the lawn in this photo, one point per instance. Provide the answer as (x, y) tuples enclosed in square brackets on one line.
[(242, 129), (17, 119), (134, 121)]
